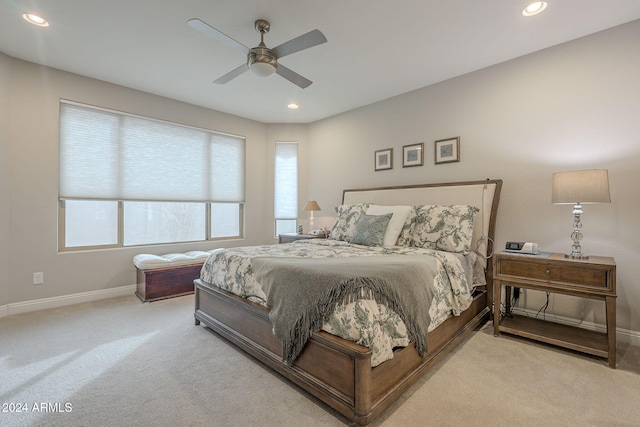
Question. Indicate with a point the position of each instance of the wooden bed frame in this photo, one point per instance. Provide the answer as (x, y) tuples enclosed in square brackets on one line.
[(337, 371)]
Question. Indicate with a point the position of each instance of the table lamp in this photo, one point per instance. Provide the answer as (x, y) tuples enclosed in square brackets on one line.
[(577, 188), (311, 206)]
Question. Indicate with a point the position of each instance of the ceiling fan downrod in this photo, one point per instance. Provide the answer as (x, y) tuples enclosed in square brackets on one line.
[(260, 60)]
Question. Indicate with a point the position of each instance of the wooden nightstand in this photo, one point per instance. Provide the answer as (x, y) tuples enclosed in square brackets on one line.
[(292, 237), (593, 278)]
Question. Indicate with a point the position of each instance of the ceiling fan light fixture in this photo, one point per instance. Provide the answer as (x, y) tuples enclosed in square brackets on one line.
[(262, 69), (262, 62)]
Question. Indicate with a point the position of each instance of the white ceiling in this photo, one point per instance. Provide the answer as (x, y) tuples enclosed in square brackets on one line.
[(376, 49)]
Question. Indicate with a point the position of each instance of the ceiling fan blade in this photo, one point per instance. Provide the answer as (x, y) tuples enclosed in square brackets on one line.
[(232, 74), (207, 29), (293, 77), (305, 41)]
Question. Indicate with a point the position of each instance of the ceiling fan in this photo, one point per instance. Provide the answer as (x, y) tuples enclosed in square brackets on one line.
[(260, 59)]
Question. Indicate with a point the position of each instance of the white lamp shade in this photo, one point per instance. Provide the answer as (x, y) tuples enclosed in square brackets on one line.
[(585, 186)]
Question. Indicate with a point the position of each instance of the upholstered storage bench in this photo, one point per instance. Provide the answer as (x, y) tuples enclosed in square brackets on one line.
[(167, 276)]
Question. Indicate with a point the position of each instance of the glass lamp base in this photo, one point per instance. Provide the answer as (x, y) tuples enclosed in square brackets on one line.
[(576, 236)]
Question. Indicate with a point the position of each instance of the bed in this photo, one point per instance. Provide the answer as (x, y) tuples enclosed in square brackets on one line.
[(353, 379)]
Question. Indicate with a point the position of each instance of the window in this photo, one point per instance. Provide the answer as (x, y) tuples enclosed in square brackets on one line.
[(286, 187), (147, 223), (127, 180)]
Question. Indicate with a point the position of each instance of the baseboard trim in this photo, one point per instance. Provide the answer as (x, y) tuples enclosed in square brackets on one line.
[(622, 335), (61, 301)]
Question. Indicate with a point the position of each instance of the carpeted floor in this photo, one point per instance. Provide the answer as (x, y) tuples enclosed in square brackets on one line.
[(119, 362)]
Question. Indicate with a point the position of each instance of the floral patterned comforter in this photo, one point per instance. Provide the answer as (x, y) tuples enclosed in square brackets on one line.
[(364, 321)]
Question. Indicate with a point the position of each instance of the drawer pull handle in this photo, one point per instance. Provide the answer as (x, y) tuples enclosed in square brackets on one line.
[(548, 272)]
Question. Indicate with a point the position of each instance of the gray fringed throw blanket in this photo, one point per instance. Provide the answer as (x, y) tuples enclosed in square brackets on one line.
[(302, 293)]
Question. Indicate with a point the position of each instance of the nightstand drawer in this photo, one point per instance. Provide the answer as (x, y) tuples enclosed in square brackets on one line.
[(582, 275)]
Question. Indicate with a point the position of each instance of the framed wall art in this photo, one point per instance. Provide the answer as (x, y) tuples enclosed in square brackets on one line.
[(413, 155), (448, 150), (384, 159)]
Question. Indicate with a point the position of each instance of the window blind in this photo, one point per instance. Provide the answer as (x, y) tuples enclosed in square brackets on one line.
[(286, 180), (105, 154)]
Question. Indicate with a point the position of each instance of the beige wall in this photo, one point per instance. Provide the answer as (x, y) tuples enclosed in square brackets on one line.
[(5, 189), (573, 106), (32, 146)]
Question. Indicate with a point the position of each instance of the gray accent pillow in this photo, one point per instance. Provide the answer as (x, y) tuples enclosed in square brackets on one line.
[(370, 229)]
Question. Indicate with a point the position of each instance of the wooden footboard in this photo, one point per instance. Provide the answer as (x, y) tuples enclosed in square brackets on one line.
[(336, 371)]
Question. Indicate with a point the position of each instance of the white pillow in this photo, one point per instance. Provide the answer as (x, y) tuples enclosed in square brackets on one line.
[(400, 214)]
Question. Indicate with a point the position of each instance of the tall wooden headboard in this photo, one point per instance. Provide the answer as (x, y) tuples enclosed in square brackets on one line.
[(484, 195)]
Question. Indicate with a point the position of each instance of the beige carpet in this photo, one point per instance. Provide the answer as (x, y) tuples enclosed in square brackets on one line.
[(118, 362)]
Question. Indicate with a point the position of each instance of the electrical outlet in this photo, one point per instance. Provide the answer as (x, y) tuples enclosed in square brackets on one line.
[(38, 278)]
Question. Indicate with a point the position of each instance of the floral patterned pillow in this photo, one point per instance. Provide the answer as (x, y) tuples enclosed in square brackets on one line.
[(444, 227), (406, 235), (347, 216), (370, 229)]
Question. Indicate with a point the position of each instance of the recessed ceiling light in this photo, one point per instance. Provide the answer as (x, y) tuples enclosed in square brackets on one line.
[(534, 8), (293, 106), (35, 20)]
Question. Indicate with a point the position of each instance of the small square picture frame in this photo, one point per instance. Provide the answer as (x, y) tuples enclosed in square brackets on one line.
[(447, 150), (413, 155), (384, 159)]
